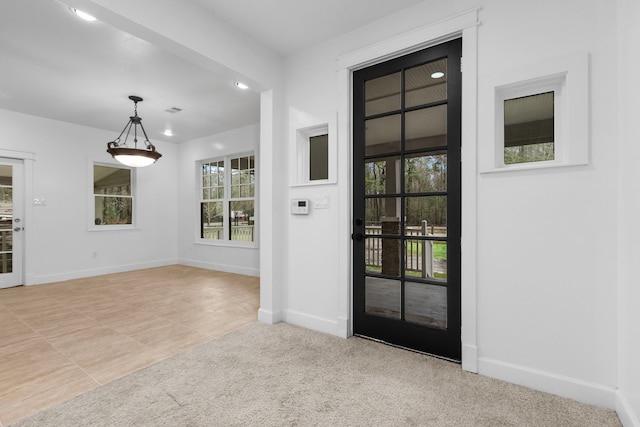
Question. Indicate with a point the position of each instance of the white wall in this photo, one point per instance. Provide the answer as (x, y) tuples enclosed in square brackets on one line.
[(628, 405), (213, 256), (59, 243), (547, 259)]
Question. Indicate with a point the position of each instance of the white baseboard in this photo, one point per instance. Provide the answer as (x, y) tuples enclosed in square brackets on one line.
[(470, 358), (79, 274), (625, 411), (269, 317), (221, 267), (311, 322), (560, 385)]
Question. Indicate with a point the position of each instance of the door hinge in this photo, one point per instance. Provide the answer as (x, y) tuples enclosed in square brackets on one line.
[(461, 59)]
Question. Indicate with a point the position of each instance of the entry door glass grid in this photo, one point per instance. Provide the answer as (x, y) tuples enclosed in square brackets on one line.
[(406, 195), (6, 219)]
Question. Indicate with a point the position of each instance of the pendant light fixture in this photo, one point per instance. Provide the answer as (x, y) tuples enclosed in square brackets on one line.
[(134, 157)]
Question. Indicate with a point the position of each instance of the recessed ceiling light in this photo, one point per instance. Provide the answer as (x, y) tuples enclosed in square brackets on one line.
[(241, 85), (437, 75), (83, 15), (168, 132)]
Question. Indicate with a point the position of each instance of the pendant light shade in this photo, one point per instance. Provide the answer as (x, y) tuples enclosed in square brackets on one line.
[(133, 156)]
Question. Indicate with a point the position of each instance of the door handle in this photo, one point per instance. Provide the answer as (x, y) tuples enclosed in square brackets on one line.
[(358, 237), (17, 229)]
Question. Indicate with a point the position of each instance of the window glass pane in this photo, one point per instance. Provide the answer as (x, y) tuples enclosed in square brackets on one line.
[(242, 177), (426, 83), (382, 297), (382, 94), (211, 217), (382, 135), (242, 220), (426, 128), (427, 211), (426, 172), (110, 180), (426, 304), (318, 157), (529, 129), (111, 210)]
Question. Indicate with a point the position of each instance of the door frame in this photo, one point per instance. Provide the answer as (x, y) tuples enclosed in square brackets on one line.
[(28, 160), (465, 26), (420, 336)]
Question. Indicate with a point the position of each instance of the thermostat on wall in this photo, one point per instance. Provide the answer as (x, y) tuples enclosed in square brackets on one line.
[(299, 206)]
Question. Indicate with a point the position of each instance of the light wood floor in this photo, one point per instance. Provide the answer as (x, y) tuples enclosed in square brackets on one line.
[(62, 339)]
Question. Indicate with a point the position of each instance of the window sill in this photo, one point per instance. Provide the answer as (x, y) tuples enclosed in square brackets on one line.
[(532, 166), (315, 183), (227, 244), (114, 228)]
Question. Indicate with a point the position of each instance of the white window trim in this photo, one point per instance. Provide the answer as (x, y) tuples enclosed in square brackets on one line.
[(568, 77), (91, 206), (302, 130), (225, 206)]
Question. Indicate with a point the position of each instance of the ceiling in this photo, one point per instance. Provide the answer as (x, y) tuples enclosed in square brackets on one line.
[(55, 65)]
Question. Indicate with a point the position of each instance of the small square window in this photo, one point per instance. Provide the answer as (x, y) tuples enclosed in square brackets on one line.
[(540, 116)]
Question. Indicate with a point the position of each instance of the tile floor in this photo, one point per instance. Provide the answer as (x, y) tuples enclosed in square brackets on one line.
[(62, 339)]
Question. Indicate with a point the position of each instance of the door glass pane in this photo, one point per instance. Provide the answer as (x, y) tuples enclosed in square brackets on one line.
[(382, 256), (426, 304), (426, 128), (382, 297), (426, 83), (380, 176), (6, 262), (382, 94), (426, 212), (382, 213), (6, 219), (211, 216), (242, 215), (382, 135), (425, 172), (426, 259)]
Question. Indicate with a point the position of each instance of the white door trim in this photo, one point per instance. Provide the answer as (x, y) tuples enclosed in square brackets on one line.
[(463, 25), (28, 161)]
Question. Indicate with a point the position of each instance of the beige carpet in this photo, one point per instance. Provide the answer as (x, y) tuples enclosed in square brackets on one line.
[(282, 375)]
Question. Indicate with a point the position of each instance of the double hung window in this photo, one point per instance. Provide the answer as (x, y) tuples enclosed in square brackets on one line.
[(227, 199), (112, 195)]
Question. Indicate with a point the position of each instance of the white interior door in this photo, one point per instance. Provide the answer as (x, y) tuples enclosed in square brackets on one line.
[(11, 222)]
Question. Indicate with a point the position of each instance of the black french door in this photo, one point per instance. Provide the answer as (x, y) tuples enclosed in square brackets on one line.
[(406, 200)]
